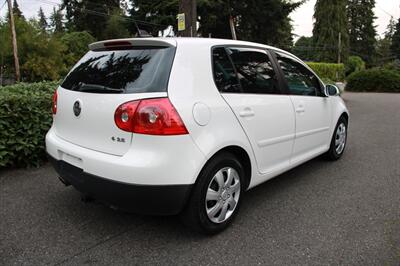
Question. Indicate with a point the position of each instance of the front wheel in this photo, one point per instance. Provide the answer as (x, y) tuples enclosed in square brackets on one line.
[(216, 196), (339, 140)]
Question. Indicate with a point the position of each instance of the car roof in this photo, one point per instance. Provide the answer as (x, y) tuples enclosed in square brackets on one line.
[(182, 41)]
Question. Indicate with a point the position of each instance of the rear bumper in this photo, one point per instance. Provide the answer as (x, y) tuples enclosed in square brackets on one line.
[(150, 160), (144, 199)]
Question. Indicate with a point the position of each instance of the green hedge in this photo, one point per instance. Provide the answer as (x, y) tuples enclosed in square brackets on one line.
[(25, 117), (329, 71), (374, 80)]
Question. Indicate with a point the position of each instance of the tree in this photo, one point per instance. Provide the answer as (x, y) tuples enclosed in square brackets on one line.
[(42, 20), (76, 46), (89, 15), (253, 19), (383, 50), (303, 48), (265, 21), (361, 28), (56, 21), (391, 28), (395, 47), (153, 16), (39, 53), (214, 18), (330, 21), (16, 11), (116, 26)]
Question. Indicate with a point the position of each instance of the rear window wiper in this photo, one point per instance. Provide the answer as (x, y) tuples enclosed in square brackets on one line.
[(85, 87)]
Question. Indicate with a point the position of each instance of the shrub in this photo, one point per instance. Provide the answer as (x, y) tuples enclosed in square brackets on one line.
[(25, 117), (354, 64), (395, 66), (328, 71), (374, 80)]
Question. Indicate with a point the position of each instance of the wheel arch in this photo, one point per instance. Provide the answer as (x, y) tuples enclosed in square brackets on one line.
[(243, 157), (345, 115)]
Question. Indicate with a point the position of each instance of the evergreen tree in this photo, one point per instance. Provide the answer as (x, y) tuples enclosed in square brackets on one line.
[(391, 28), (395, 47), (116, 26), (76, 43), (383, 45), (56, 21), (330, 20), (16, 11), (214, 18), (361, 28), (89, 15), (303, 48), (264, 21), (42, 20), (153, 16)]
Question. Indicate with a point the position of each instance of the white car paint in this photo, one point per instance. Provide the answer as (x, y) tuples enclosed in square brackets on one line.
[(278, 132)]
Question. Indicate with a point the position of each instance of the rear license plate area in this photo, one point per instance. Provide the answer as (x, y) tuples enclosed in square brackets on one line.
[(73, 160)]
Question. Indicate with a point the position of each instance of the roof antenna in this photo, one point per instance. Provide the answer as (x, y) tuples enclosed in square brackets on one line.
[(141, 33), (138, 33)]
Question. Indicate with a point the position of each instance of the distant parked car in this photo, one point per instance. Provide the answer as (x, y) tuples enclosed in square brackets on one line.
[(186, 125)]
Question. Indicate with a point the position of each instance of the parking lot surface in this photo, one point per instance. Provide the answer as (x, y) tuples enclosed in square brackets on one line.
[(320, 213)]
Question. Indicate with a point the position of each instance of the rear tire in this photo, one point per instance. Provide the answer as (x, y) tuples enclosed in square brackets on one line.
[(216, 197), (339, 140)]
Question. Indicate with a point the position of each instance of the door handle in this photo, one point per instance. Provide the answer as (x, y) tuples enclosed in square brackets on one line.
[(247, 112), (300, 109)]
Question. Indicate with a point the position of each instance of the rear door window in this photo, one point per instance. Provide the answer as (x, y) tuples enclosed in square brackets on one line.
[(136, 70)]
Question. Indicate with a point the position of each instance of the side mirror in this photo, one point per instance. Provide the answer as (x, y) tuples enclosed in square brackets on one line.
[(332, 90)]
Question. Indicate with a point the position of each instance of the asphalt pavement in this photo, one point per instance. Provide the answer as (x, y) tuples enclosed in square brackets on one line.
[(320, 213)]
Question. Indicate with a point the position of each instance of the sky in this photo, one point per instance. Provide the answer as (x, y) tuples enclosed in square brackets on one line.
[(301, 18)]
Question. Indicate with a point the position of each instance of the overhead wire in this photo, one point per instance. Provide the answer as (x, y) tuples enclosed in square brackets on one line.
[(3, 4), (97, 13)]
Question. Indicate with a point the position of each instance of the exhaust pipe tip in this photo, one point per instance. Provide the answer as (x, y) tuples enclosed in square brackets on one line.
[(64, 181)]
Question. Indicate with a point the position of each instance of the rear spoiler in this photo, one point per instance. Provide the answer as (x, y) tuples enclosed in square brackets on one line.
[(132, 42)]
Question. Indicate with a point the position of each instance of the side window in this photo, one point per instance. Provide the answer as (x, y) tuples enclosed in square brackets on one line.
[(224, 73), (255, 71), (300, 80)]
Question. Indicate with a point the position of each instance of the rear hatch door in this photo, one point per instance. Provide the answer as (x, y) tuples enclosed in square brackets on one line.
[(101, 81)]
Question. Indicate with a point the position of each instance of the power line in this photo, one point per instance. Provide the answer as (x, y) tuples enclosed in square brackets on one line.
[(387, 13), (94, 12), (3, 4)]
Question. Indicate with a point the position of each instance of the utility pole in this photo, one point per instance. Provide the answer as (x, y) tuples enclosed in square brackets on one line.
[(340, 48), (14, 41), (232, 25), (189, 8)]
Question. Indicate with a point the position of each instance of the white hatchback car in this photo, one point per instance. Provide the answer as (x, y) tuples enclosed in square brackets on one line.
[(187, 125)]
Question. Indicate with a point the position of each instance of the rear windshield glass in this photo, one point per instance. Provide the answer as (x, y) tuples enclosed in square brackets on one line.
[(122, 71)]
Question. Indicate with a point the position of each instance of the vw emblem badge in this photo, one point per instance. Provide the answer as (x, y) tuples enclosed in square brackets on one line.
[(77, 108)]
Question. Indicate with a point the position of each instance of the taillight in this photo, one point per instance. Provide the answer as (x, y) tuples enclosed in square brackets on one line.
[(54, 106), (150, 116), (124, 115)]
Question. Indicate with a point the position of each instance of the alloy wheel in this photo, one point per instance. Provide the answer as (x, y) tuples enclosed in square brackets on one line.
[(340, 139), (222, 195)]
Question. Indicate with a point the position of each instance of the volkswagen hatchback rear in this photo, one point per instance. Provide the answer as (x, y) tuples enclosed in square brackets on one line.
[(168, 126)]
